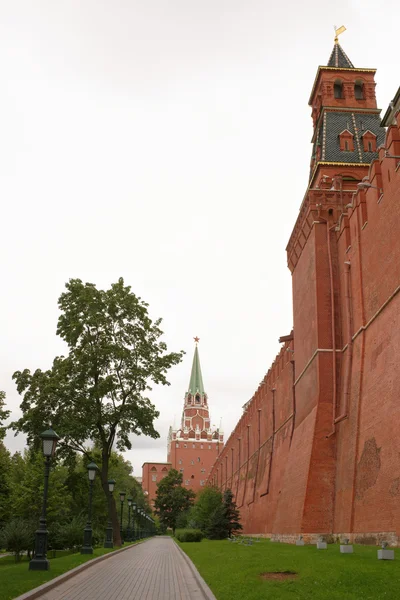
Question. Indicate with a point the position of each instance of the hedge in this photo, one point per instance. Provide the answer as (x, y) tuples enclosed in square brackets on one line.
[(188, 535)]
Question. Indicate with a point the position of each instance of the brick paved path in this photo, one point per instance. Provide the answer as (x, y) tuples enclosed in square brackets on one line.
[(154, 570)]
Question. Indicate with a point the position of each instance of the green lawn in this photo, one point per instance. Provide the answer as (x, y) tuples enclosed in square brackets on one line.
[(233, 571), (16, 579)]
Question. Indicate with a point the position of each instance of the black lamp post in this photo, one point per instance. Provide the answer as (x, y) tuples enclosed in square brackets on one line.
[(139, 523), (40, 562), (87, 547), (134, 528), (109, 531), (128, 531), (122, 498)]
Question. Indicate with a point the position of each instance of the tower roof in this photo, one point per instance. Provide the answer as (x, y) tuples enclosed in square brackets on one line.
[(196, 379), (339, 58)]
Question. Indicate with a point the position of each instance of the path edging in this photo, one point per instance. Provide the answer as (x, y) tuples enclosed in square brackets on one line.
[(49, 585), (204, 588)]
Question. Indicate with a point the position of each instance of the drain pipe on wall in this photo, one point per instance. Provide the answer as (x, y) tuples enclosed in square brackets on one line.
[(322, 220), (349, 318)]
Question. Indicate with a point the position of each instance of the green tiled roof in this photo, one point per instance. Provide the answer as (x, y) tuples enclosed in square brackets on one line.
[(196, 379), (339, 58)]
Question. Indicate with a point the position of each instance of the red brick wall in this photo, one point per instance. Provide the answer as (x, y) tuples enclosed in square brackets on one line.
[(291, 467), (152, 473)]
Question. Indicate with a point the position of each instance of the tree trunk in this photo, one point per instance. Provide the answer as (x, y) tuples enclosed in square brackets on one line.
[(112, 508)]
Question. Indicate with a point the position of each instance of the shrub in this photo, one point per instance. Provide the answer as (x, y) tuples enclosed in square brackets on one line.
[(68, 535), (17, 536), (188, 535)]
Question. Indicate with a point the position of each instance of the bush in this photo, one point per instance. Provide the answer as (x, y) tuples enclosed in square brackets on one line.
[(67, 535), (17, 536), (188, 535)]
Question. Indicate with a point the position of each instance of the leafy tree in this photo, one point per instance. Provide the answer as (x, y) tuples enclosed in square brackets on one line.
[(26, 488), (172, 499), (4, 414), (5, 469), (98, 391), (207, 502)]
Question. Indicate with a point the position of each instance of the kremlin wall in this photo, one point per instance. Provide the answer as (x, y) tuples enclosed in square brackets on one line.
[(317, 449)]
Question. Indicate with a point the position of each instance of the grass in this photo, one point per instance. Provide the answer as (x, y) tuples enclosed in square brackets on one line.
[(16, 579), (233, 571)]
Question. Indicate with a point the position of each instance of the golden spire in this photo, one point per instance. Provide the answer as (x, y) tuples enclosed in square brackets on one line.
[(338, 32)]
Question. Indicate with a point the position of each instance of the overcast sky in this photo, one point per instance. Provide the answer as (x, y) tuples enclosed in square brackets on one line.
[(167, 142)]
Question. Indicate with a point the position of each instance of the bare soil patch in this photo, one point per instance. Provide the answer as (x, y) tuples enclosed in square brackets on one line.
[(278, 575)]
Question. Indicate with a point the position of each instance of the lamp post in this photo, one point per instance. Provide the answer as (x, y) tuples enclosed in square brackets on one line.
[(128, 530), (134, 528), (141, 524), (122, 498), (87, 547), (40, 562), (109, 531)]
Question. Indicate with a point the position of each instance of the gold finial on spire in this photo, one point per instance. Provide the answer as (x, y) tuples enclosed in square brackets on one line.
[(338, 32), (196, 339)]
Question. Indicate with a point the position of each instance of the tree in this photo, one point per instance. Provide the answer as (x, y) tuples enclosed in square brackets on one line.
[(231, 513), (172, 499), (17, 536), (26, 488), (209, 499), (5, 469), (225, 519), (98, 391), (4, 414)]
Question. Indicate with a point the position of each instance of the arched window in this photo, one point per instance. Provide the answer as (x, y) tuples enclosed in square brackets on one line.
[(153, 469), (198, 399), (359, 90), (338, 89), (164, 469)]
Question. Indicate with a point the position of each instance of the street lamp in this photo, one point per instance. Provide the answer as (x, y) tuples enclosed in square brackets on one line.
[(40, 562), (128, 531), (122, 498), (134, 529), (109, 531), (87, 547)]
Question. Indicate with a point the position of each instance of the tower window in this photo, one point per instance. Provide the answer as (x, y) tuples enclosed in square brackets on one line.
[(369, 146), (346, 141), (359, 91), (192, 477), (338, 89), (198, 399)]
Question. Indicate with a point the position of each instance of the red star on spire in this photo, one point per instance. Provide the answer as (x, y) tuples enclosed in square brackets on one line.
[(196, 339)]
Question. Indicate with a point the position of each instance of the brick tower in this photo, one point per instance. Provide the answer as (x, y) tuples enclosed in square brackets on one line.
[(194, 446)]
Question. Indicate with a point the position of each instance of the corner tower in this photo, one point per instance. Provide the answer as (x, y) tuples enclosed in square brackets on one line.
[(346, 120), (194, 446)]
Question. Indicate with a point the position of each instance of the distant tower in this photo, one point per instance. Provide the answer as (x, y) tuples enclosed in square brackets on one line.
[(193, 448)]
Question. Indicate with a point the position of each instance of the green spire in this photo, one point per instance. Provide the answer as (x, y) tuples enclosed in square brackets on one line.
[(196, 379)]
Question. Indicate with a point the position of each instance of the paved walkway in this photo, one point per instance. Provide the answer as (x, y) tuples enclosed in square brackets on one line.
[(154, 570)]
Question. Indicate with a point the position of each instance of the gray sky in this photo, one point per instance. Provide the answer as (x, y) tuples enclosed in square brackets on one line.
[(168, 142)]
